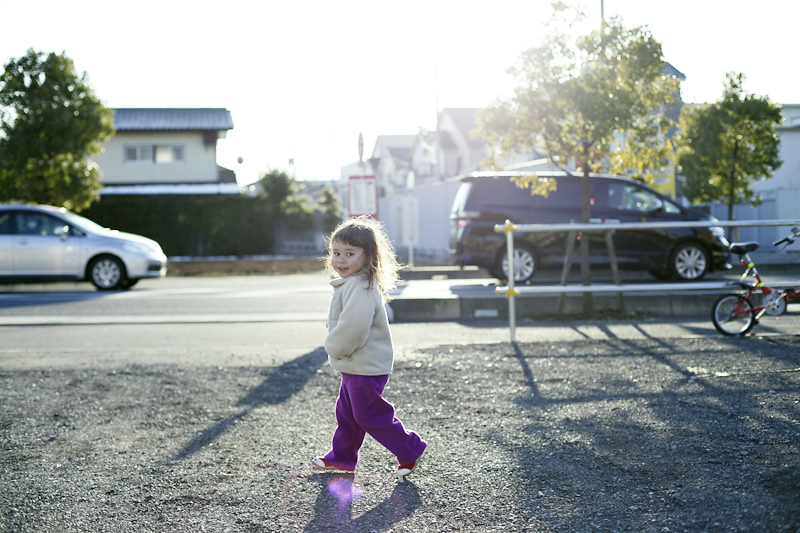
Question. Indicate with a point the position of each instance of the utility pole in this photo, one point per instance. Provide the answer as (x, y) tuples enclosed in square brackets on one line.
[(602, 15)]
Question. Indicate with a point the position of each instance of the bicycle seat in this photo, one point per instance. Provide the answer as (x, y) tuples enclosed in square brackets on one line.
[(741, 248)]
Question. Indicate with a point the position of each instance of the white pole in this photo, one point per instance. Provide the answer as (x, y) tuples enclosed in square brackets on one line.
[(512, 312)]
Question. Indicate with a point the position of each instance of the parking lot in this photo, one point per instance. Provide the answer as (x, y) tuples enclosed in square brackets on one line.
[(195, 404)]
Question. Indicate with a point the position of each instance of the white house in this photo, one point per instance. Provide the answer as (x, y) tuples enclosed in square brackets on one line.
[(415, 184), (166, 151), (461, 149)]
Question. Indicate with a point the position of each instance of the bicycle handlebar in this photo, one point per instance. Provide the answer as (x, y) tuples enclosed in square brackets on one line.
[(789, 239)]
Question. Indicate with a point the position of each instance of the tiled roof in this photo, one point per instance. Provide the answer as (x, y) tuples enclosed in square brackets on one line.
[(175, 119)]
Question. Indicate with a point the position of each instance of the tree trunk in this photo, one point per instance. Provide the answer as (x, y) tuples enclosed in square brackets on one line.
[(586, 275), (732, 191)]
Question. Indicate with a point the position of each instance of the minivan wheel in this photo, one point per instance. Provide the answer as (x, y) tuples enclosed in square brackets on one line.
[(107, 273), (524, 264), (689, 262)]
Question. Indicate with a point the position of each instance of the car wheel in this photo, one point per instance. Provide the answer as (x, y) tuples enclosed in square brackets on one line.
[(524, 264), (689, 262), (107, 273)]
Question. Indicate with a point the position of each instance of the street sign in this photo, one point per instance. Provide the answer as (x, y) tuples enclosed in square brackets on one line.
[(363, 196)]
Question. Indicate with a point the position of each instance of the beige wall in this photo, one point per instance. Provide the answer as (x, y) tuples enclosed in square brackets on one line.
[(199, 165)]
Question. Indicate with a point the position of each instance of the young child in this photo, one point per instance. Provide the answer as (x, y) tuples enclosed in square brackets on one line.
[(363, 267)]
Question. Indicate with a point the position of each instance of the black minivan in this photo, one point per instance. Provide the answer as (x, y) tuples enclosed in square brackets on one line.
[(488, 198)]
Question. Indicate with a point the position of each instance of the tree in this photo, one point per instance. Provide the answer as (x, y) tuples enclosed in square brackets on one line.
[(576, 99), (50, 123), (723, 148), (279, 191), (328, 205)]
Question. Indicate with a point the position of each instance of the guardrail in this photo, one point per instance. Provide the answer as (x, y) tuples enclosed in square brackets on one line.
[(609, 228)]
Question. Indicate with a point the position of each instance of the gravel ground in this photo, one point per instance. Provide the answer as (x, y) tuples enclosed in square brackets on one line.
[(679, 435)]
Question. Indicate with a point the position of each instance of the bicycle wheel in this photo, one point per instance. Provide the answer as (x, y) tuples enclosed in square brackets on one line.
[(728, 323)]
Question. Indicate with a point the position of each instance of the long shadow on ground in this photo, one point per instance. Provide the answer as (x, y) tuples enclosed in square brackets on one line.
[(283, 383)]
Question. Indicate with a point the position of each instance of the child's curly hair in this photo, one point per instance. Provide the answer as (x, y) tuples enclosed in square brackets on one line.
[(381, 264)]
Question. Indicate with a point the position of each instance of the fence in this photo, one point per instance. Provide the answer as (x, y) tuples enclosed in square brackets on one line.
[(511, 292)]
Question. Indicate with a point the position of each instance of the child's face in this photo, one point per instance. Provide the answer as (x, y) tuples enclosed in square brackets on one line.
[(347, 259)]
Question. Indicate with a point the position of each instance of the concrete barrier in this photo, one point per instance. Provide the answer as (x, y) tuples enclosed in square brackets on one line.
[(489, 305)]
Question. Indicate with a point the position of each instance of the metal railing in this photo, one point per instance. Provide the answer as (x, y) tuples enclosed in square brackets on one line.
[(509, 228)]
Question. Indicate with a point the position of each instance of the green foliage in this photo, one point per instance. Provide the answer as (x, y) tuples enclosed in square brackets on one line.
[(328, 205), (597, 101), (50, 122), (279, 191), (192, 225), (277, 188), (211, 225), (576, 99), (723, 148)]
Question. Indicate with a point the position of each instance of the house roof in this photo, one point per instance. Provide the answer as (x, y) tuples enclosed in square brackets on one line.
[(172, 119), (670, 70), (465, 120), (398, 146)]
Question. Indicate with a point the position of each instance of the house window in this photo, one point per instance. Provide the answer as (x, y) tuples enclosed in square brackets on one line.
[(154, 153)]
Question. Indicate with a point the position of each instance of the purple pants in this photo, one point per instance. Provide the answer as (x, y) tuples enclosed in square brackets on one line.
[(360, 409)]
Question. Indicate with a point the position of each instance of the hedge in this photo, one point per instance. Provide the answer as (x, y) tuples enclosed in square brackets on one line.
[(193, 225)]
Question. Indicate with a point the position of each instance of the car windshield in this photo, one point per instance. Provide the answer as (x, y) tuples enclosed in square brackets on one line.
[(83, 223)]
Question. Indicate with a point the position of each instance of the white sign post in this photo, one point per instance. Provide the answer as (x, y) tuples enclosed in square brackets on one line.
[(411, 216)]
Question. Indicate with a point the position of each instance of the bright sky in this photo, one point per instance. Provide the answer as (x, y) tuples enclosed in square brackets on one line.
[(303, 78)]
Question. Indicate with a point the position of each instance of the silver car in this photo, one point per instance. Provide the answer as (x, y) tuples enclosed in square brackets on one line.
[(44, 243)]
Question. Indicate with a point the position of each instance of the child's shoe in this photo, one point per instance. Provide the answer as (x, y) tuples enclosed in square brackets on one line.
[(321, 464), (404, 470)]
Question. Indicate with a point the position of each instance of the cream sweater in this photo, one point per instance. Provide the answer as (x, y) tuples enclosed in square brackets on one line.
[(359, 341)]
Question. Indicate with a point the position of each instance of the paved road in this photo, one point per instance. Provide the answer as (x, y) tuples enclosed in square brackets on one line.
[(254, 320)]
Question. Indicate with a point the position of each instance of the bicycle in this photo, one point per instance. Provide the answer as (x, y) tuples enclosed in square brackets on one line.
[(736, 314)]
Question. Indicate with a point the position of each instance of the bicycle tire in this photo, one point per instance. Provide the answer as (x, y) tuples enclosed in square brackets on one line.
[(723, 319)]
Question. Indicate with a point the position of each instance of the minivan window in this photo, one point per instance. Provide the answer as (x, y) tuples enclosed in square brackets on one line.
[(487, 192), (459, 203), (563, 197), (629, 197), (496, 192)]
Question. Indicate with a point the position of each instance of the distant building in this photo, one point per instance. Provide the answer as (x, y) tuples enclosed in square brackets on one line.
[(780, 195), (166, 151), (416, 184), (418, 176)]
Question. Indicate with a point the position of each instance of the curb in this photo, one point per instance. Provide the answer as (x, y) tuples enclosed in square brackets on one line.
[(687, 303)]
